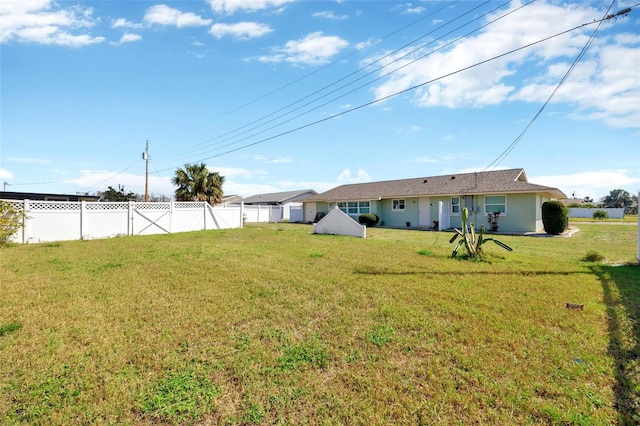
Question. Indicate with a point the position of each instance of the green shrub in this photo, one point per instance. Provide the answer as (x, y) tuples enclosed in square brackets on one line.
[(555, 218), (600, 214), (368, 219), (593, 256), (11, 219)]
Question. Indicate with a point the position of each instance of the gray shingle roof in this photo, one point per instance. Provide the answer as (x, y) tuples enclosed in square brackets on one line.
[(277, 197), (494, 182)]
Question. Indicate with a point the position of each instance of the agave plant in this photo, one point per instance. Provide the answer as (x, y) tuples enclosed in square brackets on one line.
[(473, 242)]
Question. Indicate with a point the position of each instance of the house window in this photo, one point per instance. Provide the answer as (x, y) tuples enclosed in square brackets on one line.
[(354, 207), (455, 205), (495, 203), (397, 205)]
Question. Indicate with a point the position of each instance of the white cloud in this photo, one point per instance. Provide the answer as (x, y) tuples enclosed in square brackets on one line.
[(241, 30), (595, 184), (43, 22), (129, 38), (428, 159), (408, 8), (5, 174), (164, 15), (603, 86), (232, 6), (314, 49), (123, 23), (274, 160), (329, 15), (440, 159), (347, 177), (99, 180)]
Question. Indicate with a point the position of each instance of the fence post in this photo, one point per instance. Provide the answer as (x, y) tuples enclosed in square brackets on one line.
[(204, 213), (130, 219), (83, 220), (242, 214), (171, 216), (25, 222)]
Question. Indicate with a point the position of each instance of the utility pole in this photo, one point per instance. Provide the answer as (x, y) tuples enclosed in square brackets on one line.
[(145, 156)]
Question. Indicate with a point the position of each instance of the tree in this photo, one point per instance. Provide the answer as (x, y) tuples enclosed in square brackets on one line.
[(196, 183), (119, 195), (617, 198)]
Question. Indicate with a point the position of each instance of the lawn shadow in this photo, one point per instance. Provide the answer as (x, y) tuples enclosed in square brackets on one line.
[(372, 270), (621, 287)]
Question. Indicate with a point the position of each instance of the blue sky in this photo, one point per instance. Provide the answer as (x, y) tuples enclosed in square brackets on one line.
[(280, 95)]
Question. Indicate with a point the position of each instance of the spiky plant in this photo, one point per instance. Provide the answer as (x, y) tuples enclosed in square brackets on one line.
[(472, 242)]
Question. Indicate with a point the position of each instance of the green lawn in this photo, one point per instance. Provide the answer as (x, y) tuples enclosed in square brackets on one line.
[(273, 325)]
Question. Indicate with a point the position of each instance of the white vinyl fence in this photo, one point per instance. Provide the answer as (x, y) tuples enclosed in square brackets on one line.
[(588, 212), (258, 213), (63, 220)]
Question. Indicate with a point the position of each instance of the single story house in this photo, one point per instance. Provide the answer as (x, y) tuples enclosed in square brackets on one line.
[(289, 201), (435, 202)]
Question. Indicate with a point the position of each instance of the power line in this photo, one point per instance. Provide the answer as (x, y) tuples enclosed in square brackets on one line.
[(399, 92), (381, 76), (513, 144), (117, 174), (230, 134), (368, 73), (318, 70), (257, 126)]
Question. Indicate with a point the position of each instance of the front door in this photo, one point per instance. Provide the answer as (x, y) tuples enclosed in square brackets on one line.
[(309, 211), (424, 214)]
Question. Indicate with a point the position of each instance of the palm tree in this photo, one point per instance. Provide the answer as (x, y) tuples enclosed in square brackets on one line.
[(196, 183)]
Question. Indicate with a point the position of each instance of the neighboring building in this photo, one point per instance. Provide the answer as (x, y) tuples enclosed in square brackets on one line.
[(8, 195), (436, 201), (231, 199), (290, 201)]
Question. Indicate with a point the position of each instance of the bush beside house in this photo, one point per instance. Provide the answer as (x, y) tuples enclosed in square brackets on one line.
[(368, 219), (555, 217)]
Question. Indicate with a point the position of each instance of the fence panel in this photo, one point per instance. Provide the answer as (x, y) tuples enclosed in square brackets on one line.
[(222, 217), (52, 221), (260, 213), (188, 216), (105, 220)]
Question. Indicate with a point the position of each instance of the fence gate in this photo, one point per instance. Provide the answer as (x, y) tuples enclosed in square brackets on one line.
[(151, 218)]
